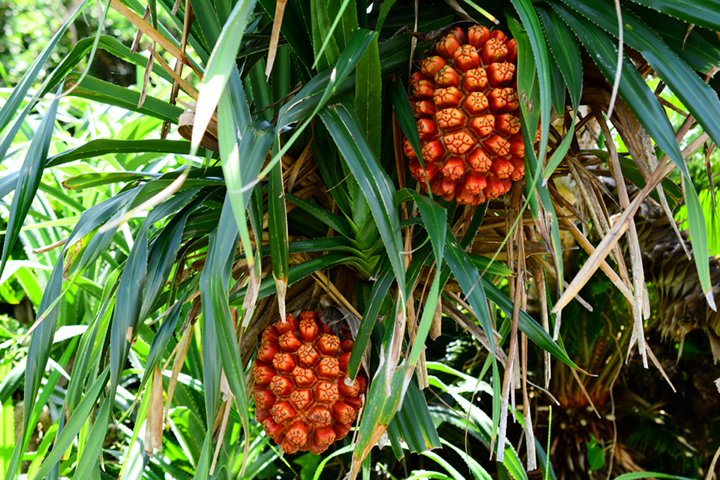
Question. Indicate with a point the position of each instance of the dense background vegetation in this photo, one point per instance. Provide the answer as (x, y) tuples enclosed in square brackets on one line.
[(84, 251)]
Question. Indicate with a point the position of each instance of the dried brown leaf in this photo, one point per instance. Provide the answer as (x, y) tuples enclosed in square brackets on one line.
[(275, 36), (156, 36), (176, 78), (610, 240)]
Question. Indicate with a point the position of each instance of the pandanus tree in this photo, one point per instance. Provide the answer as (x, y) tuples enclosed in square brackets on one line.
[(303, 190)]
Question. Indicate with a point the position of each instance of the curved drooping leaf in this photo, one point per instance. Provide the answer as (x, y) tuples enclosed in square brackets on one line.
[(160, 341), (106, 146), (219, 68), (531, 22), (469, 279), (65, 439), (107, 43), (692, 91), (633, 89), (705, 13), (100, 241), (527, 324), (12, 105), (28, 181), (100, 91), (414, 423), (404, 115), (216, 308), (128, 303), (164, 247), (693, 46)]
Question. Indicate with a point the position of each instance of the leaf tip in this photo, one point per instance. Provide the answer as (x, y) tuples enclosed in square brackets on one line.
[(711, 300)]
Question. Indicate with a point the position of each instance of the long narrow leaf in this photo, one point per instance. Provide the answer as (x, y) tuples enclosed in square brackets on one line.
[(75, 422), (329, 84), (160, 341), (404, 115), (163, 250), (29, 180), (374, 182), (384, 279), (107, 43), (567, 57), (415, 423), (17, 96), (87, 463), (220, 66), (105, 92), (705, 13), (527, 324), (128, 303), (531, 22), (214, 292), (104, 146), (333, 221), (278, 233), (694, 93), (368, 95), (297, 273), (324, 42)]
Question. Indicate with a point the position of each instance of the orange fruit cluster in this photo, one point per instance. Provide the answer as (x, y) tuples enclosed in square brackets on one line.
[(466, 103), (302, 397)]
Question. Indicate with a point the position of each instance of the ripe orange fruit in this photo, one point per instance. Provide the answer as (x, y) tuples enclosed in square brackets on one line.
[(466, 104), (301, 394)]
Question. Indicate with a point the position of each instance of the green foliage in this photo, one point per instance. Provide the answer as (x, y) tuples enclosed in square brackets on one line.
[(154, 264), (28, 25), (595, 455)]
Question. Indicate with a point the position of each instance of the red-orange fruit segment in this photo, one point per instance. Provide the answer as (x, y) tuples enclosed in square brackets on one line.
[(466, 105), (303, 398)]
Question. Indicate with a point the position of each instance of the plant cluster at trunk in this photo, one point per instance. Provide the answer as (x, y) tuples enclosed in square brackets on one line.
[(304, 400), (465, 100), (167, 259)]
